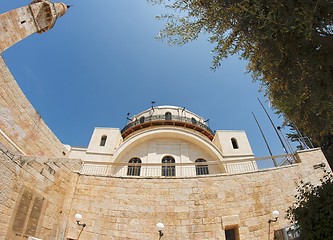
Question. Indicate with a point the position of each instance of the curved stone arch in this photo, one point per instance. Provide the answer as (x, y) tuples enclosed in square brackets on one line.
[(167, 155), (134, 158), (168, 132)]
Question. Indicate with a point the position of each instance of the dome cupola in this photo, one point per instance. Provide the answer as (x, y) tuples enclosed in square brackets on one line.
[(167, 116)]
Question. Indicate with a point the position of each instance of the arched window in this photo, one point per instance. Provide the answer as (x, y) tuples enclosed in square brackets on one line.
[(168, 116), (134, 167), (142, 119), (193, 120), (234, 143), (169, 168), (201, 169), (103, 140)]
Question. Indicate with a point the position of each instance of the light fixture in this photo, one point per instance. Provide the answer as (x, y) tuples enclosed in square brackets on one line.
[(78, 218), (275, 215), (160, 227), (130, 119), (152, 105)]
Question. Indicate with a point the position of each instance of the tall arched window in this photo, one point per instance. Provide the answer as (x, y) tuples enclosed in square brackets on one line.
[(134, 167), (169, 169), (234, 143), (103, 140), (201, 169), (168, 116)]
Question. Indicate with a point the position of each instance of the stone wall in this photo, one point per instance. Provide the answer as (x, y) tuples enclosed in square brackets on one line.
[(21, 128), (39, 196), (35, 195), (191, 208)]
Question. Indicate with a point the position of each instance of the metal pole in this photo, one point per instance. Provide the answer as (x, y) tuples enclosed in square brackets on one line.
[(286, 140), (262, 134), (288, 144), (283, 146)]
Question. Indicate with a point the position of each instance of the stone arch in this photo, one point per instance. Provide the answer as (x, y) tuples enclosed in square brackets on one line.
[(169, 132), (192, 137)]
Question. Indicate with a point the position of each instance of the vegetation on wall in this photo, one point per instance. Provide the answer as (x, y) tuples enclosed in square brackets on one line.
[(288, 45), (313, 210)]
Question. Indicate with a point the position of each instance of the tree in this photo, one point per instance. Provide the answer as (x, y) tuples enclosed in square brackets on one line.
[(313, 210), (288, 45)]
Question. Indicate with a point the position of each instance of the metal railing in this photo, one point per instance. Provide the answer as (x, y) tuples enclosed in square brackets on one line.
[(183, 169), (153, 118)]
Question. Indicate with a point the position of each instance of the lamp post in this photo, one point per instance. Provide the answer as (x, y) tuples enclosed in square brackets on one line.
[(160, 227), (275, 215), (274, 218), (78, 218)]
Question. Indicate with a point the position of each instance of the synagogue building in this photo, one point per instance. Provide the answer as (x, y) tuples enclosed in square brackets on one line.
[(165, 175)]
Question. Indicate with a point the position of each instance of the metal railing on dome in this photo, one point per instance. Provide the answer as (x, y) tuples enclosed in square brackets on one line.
[(184, 169), (153, 118)]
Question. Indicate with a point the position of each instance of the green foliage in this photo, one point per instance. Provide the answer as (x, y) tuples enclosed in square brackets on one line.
[(313, 210), (288, 45)]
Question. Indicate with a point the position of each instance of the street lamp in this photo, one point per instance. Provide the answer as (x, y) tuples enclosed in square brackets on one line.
[(78, 218), (275, 215), (160, 227)]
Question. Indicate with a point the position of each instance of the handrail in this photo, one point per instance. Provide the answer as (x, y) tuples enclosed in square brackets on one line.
[(175, 118), (236, 160), (184, 169)]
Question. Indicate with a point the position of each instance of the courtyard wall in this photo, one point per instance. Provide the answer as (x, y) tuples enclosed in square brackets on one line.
[(39, 197), (190, 207), (35, 195), (22, 129)]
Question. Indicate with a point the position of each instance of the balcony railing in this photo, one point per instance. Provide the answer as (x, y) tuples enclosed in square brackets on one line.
[(183, 169), (157, 120)]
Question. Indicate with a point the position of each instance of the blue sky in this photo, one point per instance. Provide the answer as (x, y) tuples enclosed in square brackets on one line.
[(101, 61)]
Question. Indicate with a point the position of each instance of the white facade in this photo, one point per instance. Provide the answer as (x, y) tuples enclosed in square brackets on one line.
[(166, 132)]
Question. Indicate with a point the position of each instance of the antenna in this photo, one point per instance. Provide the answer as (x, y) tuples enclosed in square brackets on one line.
[(283, 146), (263, 136)]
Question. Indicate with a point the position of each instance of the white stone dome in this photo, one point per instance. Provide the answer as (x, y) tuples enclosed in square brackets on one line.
[(167, 115)]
